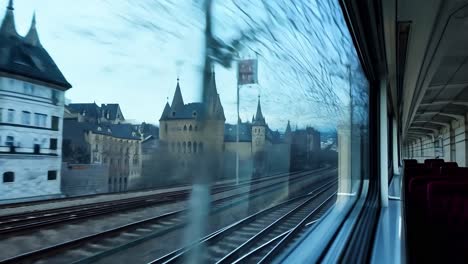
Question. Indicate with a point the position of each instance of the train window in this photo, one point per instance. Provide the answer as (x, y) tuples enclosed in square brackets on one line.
[(274, 90)]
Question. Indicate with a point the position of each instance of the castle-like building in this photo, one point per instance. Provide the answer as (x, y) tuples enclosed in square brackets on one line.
[(190, 131)]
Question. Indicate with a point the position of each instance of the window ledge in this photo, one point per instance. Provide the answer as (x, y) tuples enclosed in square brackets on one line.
[(389, 239)]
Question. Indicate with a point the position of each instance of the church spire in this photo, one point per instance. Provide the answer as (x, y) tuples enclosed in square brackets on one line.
[(213, 106), (166, 112), (7, 28), (259, 119), (288, 127), (177, 101), (212, 91), (32, 37)]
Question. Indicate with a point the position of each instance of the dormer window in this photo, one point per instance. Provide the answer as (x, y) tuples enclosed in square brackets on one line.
[(99, 129), (194, 113), (109, 130), (173, 113)]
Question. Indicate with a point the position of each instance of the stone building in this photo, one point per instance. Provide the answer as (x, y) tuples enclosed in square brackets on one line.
[(96, 135), (187, 132), (193, 133), (32, 91)]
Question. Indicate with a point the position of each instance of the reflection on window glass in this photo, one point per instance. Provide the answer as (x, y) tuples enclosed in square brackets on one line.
[(180, 118)]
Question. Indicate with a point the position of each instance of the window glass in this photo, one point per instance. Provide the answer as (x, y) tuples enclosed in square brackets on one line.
[(55, 122), (53, 144), (9, 176), (11, 116), (51, 175), (40, 120), (10, 141), (26, 118), (234, 111), (1, 115)]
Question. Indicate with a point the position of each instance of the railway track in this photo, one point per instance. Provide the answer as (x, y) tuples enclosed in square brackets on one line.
[(77, 198), (267, 251), (86, 248), (261, 231), (25, 222)]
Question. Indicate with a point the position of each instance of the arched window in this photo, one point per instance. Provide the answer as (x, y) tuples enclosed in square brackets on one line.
[(200, 147), (178, 147), (189, 145), (185, 127), (196, 128), (165, 127), (9, 176), (184, 146), (195, 147), (190, 128)]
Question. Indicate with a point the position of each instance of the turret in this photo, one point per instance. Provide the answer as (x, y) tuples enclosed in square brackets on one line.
[(163, 126), (288, 133), (32, 37), (259, 119), (258, 130), (177, 101), (8, 28), (214, 109)]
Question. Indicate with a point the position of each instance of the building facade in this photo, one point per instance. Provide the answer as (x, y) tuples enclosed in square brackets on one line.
[(193, 133), (31, 115), (94, 135)]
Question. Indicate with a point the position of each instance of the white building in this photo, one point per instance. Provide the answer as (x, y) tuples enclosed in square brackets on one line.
[(31, 115)]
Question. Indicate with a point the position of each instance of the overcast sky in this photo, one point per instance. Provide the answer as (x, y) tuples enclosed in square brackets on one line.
[(109, 60)]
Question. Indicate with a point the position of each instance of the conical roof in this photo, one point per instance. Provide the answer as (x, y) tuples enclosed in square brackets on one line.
[(32, 37), (166, 112), (8, 28), (259, 119), (211, 98), (177, 101), (25, 56), (288, 128)]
